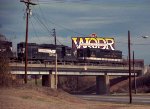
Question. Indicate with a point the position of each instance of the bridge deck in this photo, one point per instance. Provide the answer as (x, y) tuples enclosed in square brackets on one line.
[(73, 69)]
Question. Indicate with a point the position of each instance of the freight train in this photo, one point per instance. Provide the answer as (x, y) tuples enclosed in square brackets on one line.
[(45, 53)]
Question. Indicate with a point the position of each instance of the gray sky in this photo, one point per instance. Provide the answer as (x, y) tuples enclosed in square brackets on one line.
[(107, 18)]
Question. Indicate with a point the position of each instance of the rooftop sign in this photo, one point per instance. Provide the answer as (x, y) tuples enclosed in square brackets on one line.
[(93, 42)]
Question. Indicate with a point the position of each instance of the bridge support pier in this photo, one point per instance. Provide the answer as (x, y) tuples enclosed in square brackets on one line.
[(102, 84), (48, 80)]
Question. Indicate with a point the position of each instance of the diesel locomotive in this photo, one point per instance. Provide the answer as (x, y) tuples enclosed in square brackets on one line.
[(45, 52)]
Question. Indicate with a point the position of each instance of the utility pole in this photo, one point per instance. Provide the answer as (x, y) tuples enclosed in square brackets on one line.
[(129, 55), (54, 35), (56, 77), (28, 10), (134, 74)]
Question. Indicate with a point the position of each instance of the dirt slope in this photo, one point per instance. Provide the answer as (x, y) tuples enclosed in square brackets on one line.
[(36, 98)]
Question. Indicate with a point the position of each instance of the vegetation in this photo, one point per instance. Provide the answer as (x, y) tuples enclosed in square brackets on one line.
[(29, 97), (5, 76), (76, 84)]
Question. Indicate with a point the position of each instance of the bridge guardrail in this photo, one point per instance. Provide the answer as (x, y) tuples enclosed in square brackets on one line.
[(77, 65)]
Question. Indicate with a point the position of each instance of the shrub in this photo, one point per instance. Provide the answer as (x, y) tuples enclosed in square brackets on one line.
[(5, 76)]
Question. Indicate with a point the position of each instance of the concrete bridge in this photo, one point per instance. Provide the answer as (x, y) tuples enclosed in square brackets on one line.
[(102, 72)]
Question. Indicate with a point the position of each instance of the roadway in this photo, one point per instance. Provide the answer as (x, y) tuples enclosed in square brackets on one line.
[(136, 99)]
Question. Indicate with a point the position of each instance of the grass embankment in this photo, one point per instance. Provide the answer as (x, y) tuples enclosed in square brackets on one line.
[(31, 97)]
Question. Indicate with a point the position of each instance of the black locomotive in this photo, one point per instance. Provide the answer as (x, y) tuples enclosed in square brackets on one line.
[(99, 55), (45, 52)]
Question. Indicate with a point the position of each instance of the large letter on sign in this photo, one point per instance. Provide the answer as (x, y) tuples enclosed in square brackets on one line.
[(110, 43)]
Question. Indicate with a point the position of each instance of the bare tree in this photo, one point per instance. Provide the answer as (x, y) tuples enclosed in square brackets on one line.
[(5, 76)]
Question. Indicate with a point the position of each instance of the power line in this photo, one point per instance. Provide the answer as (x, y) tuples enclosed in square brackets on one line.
[(59, 25), (40, 21), (141, 44), (51, 34), (34, 30), (67, 1), (62, 26), (133, 43), (42, 29), (46, 27)]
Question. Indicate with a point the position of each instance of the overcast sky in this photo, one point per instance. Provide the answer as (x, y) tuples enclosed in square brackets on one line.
[(71, 18)]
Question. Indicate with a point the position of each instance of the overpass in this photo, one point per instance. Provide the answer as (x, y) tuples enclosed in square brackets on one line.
[(102, 72)]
